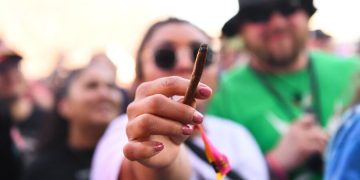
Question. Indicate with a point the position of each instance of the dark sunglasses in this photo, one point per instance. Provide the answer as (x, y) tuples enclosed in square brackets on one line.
[(260, 14), (165, 58)]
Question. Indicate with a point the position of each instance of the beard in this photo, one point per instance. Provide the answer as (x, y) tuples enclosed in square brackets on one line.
[(280, 54)]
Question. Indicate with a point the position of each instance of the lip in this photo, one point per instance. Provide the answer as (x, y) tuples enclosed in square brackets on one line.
[(104, 107), (278, 36)]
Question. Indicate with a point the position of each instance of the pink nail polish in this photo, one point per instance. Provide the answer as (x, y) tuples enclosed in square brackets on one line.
[(187, 130), (206, 92), (158, 146), (198, 117)]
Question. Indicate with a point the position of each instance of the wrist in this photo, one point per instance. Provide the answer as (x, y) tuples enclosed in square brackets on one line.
[(178, 169), (182, 161), (276, 167)]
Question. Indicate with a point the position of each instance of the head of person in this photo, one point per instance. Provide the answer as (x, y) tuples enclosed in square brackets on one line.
[(274, 31), (11, 79), (232, 52), (169, 48), (86, 100), (101, 60), (319, 40)]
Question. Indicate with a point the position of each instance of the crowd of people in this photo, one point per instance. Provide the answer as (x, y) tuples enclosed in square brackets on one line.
[(273, 99)]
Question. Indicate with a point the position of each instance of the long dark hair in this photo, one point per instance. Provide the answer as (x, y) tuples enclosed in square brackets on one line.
[(55, 129)]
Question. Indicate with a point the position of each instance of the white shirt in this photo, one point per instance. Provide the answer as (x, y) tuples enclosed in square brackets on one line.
[(229, 138)]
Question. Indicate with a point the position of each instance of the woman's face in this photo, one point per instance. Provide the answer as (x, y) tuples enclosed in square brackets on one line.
[(182, 39), (92, 98)]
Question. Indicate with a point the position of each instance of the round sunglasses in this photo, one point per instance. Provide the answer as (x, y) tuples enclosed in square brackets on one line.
[(165, 57)]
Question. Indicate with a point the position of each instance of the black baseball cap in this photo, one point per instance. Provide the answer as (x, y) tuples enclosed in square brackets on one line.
[(7, 55), (247, 9)]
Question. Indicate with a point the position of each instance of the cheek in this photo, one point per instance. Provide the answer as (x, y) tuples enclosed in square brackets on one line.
[(299, 24), (14, 76), (115, 98), (151, 72), (252, 34), (82, 102)]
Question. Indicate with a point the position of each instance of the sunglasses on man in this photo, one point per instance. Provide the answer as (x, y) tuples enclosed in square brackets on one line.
[(166, 59), (261, 14)]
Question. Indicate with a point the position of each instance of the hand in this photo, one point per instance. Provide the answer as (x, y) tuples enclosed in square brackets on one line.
[(303, 139), (159, 125)]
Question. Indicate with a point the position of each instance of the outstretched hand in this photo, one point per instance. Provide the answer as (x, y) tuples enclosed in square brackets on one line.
[(158, 125)]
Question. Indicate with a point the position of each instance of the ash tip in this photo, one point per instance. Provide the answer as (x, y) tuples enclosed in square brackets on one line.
[(203, 47)]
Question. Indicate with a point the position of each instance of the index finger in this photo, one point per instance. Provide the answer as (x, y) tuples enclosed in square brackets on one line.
[(170, 86)]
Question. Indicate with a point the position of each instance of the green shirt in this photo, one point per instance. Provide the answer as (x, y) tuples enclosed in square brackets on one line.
[(243, 98)]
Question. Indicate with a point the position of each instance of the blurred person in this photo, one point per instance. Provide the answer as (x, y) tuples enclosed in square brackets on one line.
[(57, 75), (101, 60), (10, 163), (286, 95), (11, 77), (24, 105), (342, 155), (153, 132), (86, 102), (319, 40), (232, 53)]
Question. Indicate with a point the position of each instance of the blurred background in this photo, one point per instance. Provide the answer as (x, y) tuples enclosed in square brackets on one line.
[(51, 33)]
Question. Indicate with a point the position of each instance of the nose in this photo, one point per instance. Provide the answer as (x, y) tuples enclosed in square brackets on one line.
[(105, 92), (277, 18), (184, 59)]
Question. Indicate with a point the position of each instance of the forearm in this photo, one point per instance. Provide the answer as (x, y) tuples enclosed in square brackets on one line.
[(179, 169)]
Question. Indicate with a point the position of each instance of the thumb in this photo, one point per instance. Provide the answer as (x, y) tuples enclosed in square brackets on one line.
[(307, 121)]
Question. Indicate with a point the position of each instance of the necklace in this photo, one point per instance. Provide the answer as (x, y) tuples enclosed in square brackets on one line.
[(313, 107)]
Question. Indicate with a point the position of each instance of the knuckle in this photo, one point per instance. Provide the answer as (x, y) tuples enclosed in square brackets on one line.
[(156, 101), (188, 113), (130, 109), (139, 127), (141, 89), (145, 122), (170, 82), (130, 131)]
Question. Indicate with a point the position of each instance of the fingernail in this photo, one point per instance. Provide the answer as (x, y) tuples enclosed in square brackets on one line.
[(187, 130), (158, 146), (198, 117), (206, 92)]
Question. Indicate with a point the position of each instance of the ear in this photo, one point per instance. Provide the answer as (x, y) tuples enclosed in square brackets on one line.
[(64, 108)]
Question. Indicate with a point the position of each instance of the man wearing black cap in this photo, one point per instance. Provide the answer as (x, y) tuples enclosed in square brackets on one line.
[(10, 76), (21, 115), (10, 163), (286, 95)]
